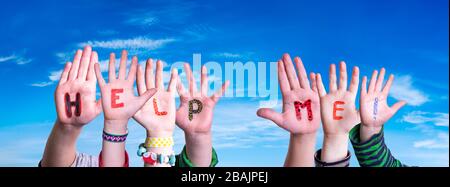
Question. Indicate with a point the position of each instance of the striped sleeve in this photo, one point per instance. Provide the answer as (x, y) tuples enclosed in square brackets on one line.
[(373, 152)]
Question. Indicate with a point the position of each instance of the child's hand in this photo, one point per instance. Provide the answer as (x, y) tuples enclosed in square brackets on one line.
[(75, 94), (301, 108), (195, 113), (373, 102), (118, 99), (157, 116), (339, 114), (195, 116)]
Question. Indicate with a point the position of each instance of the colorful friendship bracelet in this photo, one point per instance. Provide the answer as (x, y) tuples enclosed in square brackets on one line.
[(114, 138), (159, 142), (155, 158)]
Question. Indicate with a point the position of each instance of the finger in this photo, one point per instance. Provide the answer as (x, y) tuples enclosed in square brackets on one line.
[(65, 73), (149, 77), (320, 86), (342, 76), (271, 115), (140, 82), (98, 73), (354, 83), (159, 75), (75, 65), (132, 73), (173, 80), (204, 81), (397, 106), (220, 92), (191, 79), (388, 85), (84, 64), (282, 79), (372, 82), (98, 107), (142, 99), (123, 65), (290, 72), (180, 88), (312, 77), (364, 87), (112, 67), (91, 71), (379, 83), (332, 78), (302, 76)]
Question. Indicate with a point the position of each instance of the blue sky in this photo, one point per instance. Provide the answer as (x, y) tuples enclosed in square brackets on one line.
[(409, 38)]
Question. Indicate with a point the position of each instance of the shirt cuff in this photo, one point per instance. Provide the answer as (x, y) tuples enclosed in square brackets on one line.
[(183, 159), (341, 163)]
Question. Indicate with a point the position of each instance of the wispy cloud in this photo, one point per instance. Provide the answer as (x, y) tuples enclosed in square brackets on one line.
[(440, 142), (145, 20), (133, 43), (228, 55), (420, 117), (17, 59), (403, 89), (53, 77)]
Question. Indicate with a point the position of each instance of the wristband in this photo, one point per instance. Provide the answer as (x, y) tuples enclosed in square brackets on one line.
[(159, 142), (114, 138), (155, 158)]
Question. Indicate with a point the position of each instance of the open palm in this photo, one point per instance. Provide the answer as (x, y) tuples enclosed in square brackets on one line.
[(158, 114), (339, 114), (374, 108), (307, 119), (78, 78), (201, 121)]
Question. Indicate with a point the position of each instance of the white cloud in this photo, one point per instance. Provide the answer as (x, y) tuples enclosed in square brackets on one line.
[(403, 89), (144, 20), (228, 55), (17, 59), (7, 58), (133, 43), (440, 142), (420, 117), (53, 77)]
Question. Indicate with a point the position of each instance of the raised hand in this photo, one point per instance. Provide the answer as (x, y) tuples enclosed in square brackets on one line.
[(375, 111), (119, 105), (301, 108), (195, 115), (75, 95), (75, 106), (119, 102), (301, 111), (338, 111), (157, 116)]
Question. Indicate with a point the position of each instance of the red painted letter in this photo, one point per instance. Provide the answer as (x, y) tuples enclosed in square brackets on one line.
[(155, 107), (307, 104), (114, 98), (335, 109), (76, 104)]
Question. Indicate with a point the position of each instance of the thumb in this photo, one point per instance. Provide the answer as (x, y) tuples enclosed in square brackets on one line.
[(98, 106), (146, 96), (271, 115), (397, 106)]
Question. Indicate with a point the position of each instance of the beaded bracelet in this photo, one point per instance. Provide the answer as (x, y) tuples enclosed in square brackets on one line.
[(155, 158), (114, 138)]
